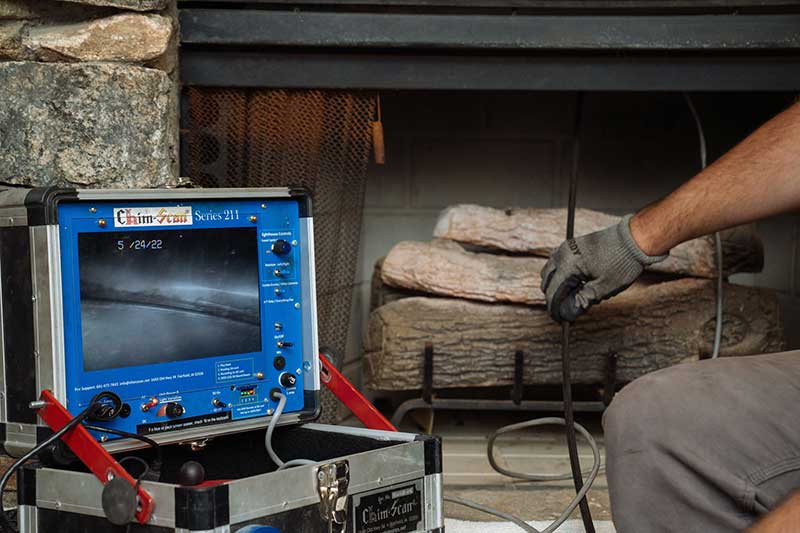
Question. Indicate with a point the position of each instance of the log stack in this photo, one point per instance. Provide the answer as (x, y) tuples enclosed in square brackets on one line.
[(473, 291)]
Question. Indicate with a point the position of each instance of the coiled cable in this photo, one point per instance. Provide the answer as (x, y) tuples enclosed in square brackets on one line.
[(573, 504)]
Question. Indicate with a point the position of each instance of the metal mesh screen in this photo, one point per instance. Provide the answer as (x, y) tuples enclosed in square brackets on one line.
[(320, 140)]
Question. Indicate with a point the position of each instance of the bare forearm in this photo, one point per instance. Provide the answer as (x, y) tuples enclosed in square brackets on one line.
[(758, 178), (783, 519)]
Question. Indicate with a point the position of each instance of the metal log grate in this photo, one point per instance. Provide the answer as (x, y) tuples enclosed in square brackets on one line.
[(320, 140)]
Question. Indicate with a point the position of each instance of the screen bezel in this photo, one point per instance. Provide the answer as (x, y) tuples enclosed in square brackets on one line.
[(89, 222)]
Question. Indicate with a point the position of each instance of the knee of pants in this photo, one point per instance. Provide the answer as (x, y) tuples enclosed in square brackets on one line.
[(655, 410)]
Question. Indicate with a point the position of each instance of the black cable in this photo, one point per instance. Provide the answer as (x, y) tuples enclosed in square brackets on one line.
[(95, 408), (566, 379), (6, 522), (139, 478), (155, 465), (142, 462)]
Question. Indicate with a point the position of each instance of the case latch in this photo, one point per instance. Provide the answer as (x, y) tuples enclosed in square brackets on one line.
[(332, 482)]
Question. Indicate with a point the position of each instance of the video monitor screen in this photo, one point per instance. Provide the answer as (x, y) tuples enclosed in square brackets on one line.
[(152, 297)]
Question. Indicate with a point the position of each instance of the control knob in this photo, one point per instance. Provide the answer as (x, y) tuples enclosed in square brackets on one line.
[(287, 380), (281, 247)]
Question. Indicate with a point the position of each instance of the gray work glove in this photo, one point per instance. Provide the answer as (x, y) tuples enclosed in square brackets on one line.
[(586, 270)]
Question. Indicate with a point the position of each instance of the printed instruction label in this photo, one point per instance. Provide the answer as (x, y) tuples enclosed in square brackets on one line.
[(183, 423), (240, 369)]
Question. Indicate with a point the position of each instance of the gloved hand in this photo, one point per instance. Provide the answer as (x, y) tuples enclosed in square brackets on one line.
[(585, 270)]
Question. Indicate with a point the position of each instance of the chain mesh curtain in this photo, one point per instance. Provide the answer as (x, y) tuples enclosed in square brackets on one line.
[(320, 140)]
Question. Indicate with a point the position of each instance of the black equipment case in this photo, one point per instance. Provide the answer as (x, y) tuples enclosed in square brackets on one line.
[(364, 481)]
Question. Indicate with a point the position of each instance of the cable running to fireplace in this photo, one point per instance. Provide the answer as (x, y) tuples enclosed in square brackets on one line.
[(717, 238), (581, 487), (592, 474), (566, 379)]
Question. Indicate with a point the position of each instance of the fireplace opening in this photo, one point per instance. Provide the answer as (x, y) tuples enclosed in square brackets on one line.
[(447, 148), (498, 150)]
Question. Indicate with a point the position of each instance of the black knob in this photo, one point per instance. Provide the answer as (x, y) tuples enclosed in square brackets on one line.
[(287, 380), (174, 410), (119, 501), (281, 247), (191, 473), (279, 363)]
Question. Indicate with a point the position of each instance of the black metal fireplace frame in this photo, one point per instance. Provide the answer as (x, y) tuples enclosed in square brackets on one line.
[(634, 45)]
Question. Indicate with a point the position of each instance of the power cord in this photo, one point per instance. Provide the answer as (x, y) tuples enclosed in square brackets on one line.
[(282, 465), (94, 404), (145, 472), (98, 410), (154, 467)]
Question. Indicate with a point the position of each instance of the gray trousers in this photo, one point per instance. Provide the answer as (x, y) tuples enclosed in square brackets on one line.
[(704, 447)]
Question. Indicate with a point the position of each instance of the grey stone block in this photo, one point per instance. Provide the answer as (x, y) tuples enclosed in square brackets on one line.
[(11, 36), (124, 37), (135, 5), (18, 10), (89, 125), (51, 10)]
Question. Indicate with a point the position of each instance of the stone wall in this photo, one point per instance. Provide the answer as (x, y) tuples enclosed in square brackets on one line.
[(88, 93)]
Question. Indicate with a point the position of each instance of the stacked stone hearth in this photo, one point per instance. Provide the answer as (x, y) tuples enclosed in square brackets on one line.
[(474, 293), (88, 93)]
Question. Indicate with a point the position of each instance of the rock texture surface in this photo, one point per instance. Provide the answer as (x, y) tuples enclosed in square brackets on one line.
[(127, 37), (19, 9), (51, 10), (134, 5), (649, 327), (538, 231), (88, 125), (12, 34), (445, 268)]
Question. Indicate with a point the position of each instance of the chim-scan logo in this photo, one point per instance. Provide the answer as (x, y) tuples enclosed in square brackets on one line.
[(125, 217)]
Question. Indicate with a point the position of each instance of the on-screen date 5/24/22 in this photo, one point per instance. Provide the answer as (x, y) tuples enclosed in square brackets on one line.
[(140, 244)]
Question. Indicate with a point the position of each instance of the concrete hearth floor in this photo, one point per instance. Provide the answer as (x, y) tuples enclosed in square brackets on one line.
[(542, 450)]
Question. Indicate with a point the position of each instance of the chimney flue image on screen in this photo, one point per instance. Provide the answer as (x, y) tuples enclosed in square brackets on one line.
[(159, 296)]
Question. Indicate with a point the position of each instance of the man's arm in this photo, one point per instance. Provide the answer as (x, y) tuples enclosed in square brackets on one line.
[(783, 519), (758, 178)]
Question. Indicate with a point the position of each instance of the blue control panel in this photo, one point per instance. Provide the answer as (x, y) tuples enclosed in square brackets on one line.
[(191, 313)]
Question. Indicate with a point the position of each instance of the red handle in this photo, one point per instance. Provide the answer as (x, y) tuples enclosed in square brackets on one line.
[(91, 452), (341, 387)]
